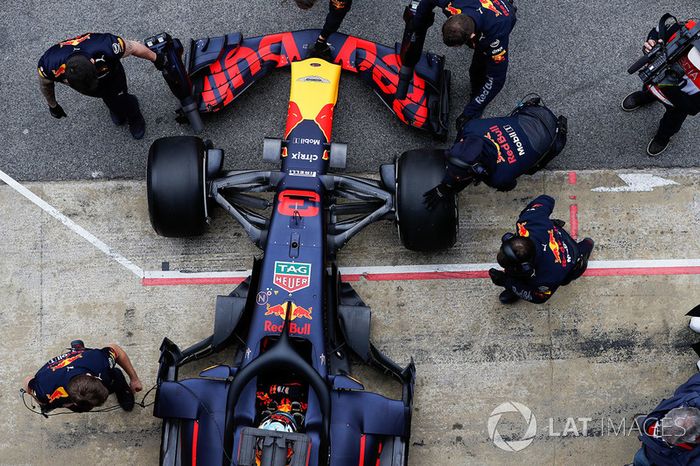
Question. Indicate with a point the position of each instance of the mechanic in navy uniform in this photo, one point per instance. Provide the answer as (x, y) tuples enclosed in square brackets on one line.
[(82, 379), (540, 257), (496, 151), (485, 26), (671, 433), (337, 9), (680, 100), (90, 64)]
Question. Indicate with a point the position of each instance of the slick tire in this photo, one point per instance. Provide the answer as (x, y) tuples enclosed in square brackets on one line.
[(420, 229), (176, 186)]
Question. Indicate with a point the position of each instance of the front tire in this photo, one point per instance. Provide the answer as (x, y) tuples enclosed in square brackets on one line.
[(420, 229), (176, 186)]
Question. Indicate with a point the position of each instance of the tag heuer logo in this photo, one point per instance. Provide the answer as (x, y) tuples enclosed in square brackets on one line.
[(292, 276)]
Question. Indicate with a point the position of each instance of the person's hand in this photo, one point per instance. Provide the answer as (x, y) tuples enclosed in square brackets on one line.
[(135, 385), (648, 45), (436, 195), (498, 277), (461, 121), (159, 62), (57, 111)]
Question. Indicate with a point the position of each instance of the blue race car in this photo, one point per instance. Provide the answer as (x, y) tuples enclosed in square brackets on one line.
[(288, 397)]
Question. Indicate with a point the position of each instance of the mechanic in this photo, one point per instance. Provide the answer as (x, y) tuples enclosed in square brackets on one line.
[(82, 378), (499, 150), (90, 64), (680, 100), (671, 433), (337, 9), (485, 26), (540, 257)]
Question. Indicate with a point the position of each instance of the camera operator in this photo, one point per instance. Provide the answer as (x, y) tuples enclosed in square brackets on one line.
[(680, 95)]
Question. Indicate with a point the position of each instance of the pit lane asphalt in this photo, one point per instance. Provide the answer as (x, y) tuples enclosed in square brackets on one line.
[(573, 53)]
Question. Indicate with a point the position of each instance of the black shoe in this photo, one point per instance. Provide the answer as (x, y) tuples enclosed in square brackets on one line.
[(321, 50), (656, 146), (507, 297), (137, 127), (636, 99), (116, 119), (125, 396)]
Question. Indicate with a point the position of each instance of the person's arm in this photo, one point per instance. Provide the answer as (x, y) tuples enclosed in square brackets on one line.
[(137, 49), (531, 293), (496, 71), (121, 358), (48, 90)]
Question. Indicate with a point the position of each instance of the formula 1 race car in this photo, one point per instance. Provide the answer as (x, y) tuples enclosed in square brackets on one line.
[(217, 70), (288, 397)]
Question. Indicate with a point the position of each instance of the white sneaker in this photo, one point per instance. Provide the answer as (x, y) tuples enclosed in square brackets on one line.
[(694, 324)]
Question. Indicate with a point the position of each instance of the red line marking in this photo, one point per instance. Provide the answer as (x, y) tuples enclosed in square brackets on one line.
[(192, 281), (573, 220), (362, 450), (422, 276), (615, 272), (572, 177)]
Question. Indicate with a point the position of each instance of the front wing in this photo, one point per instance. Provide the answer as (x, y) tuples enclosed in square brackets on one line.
[(222, 68)]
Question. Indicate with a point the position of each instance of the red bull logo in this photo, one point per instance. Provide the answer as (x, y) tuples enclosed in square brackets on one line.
[(74, 42), (556, 249), (295, 312), (488, 4), (522, 231), (65, 362), (502, 143), (60, 392), (499, 156), (452, 10), (294, 329), (61, 69)]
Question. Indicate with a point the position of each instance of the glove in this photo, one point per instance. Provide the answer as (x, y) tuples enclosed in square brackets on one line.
[(498, 277), (321, 49), (558, 223), (159, 62), (461, 121), (436, 195), (57, 111)]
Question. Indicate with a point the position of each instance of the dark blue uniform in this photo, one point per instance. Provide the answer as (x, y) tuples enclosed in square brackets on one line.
[(557, 253), (494, 20), (500, 145), (106, 50), (51, 381), (656, 450)]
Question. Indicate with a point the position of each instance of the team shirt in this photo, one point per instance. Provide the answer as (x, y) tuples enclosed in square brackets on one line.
[(105, 49)]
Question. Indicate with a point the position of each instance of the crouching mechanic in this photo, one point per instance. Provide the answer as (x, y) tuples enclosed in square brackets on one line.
[(671, 433), (483, 25), (91, 65), (540, 257), (497, 151), (337, 9), (83, 378), (679, 91)]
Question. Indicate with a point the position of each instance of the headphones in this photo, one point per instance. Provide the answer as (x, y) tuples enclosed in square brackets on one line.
[(525, 269)]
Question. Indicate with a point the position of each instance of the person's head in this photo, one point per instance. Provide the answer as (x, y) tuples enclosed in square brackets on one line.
[(81, 74), (86, 392), (305, 4), (459, 30), (515, 251), (681, 425)]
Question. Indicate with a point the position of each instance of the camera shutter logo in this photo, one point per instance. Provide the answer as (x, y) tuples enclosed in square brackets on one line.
[(512, 445)]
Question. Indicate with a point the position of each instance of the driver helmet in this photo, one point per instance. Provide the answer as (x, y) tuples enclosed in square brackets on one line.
[(694, 57), (280, 422)]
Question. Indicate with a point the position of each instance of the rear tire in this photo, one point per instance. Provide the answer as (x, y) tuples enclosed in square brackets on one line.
[(176, 186), (420, 229)]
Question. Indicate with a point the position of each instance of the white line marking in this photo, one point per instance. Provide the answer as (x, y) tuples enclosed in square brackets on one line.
[(86, 235), (636, 182)]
